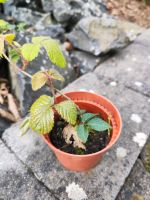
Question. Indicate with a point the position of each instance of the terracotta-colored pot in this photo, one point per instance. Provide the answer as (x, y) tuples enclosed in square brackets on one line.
[(96, 104)]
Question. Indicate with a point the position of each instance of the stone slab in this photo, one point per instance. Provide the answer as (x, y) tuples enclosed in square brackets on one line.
[(130, 66), (137, 184), (105, 181), (16, 181)]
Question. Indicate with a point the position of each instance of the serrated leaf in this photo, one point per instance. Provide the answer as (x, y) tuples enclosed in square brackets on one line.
[(70, 131), (87, 116), (14, 55), (83, 132), (53, 50), (39, 39), (55, 75), (30, 51), (39, 79), (68, 111), (25, 126), (98, 124), (42, 115), (9, 38), (54, 53), (1, 45)]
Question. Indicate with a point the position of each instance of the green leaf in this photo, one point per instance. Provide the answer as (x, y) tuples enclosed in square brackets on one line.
[(30, 51), (25, 125), (98, 124), (3, 1), (42, 115), (68, 111), (87, 116), (14, 55), (53, 50), (83, 133), (39, 79), (55, 75)]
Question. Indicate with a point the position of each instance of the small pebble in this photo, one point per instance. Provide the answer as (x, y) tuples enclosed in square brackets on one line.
[(134, 59), (129, 69), (83, 90)]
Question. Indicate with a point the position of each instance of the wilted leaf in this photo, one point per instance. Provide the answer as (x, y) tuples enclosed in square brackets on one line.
[(83, 133), (98, 124), (30, 51), (68, 111), (55, 75), (42, 115), (70, 131), (25, 125), (9, 38), (39, 79)]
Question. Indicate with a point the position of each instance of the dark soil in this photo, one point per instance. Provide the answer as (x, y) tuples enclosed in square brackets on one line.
[(96, 141)]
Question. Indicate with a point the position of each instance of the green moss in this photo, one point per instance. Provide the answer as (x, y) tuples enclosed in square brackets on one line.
[(147, 163)]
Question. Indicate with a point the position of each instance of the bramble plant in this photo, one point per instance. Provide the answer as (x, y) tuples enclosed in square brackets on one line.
[(41, 114)]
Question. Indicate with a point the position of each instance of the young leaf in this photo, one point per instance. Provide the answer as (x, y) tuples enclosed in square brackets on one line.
[(39, 79), (9, 38), (14, 55), (55, 75), (98, 124), (83, 133), (42, 115), (70, 131), (25, 125), (30, 51), (39, 39), (87, 116), (67, 110)]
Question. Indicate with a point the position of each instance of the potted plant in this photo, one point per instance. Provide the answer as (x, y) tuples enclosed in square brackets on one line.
[(78, 126)]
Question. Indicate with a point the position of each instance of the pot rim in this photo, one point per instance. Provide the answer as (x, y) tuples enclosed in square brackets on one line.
[(110, 144)]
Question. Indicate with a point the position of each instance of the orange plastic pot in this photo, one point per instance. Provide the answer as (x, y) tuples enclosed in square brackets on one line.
[(96, 104)]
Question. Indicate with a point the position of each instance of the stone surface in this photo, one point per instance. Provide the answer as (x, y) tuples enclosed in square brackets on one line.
[(137, 184), (104, 181), (84, 61), (131, 66), (17, 181), (100, 35), (26, 15)]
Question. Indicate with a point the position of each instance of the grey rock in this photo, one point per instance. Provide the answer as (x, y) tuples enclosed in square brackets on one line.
[(26, 15), (61, 10), (16, 181), (136, 184), (100, 35), (104, 181), (134, 61), (43, 22), (53, 30), (85, 62)]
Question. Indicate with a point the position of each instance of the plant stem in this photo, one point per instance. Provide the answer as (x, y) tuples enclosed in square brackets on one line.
[(68, 98), (14, 65)]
